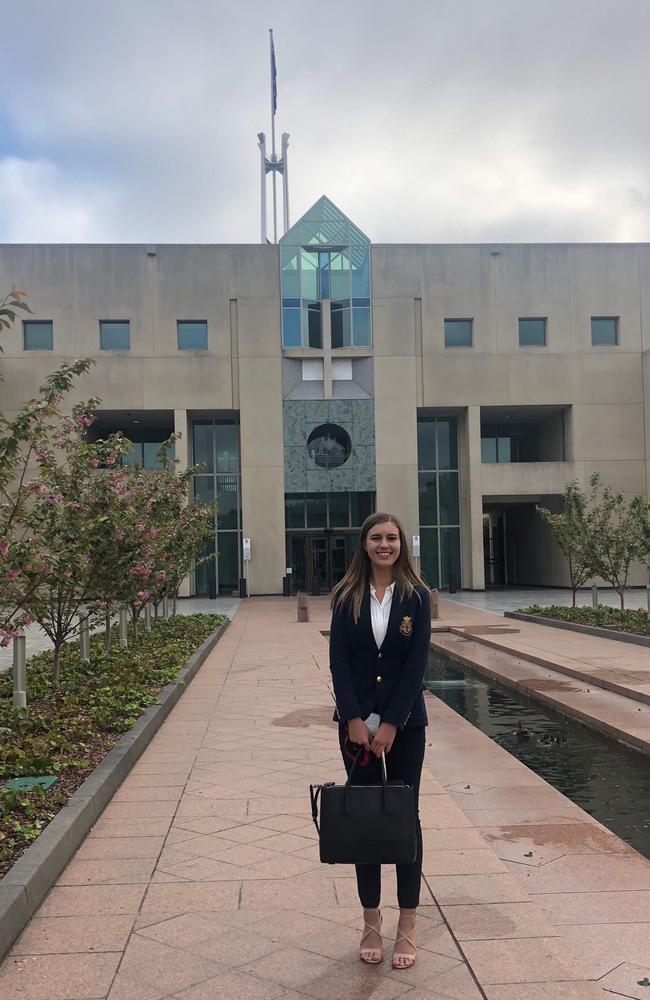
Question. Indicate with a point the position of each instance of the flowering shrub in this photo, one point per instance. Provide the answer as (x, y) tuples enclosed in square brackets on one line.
[(81, 534)]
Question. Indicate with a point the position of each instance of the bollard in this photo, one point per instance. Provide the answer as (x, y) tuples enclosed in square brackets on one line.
[(147, 617), (165, 607), (124, 639), (435, 603), (20, 673), (302, 607), (594, 596), (84, 640)]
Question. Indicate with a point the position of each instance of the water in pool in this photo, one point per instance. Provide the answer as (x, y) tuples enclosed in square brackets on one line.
[(608, 781)]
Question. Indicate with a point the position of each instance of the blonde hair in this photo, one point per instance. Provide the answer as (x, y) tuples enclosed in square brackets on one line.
[(352, 589)]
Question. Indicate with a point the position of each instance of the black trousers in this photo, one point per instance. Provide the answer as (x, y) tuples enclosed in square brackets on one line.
[(404, 761)]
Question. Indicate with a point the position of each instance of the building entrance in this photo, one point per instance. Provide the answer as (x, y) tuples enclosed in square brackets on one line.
[(318, 560)]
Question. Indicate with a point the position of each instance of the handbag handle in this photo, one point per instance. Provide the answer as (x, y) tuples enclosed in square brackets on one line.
[(384, 776), (384, 783)]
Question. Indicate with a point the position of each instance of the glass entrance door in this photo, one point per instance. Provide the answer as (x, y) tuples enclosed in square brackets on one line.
[(318, 560)]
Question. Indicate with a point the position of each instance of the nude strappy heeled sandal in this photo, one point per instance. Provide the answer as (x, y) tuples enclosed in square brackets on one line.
[(371, 956), (410, 958)]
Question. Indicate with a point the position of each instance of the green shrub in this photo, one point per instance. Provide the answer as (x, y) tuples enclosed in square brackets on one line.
[(603, 616), (67, 730)]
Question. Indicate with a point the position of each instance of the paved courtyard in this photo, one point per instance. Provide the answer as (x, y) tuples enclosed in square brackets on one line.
[(201, 879)]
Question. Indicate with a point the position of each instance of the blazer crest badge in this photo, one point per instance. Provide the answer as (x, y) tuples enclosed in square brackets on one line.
[(406, 625)]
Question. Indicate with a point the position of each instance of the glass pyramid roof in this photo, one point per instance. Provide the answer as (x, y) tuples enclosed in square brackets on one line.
[(324, 225)]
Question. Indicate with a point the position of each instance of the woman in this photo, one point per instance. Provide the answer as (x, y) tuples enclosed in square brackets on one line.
[(379, 642)]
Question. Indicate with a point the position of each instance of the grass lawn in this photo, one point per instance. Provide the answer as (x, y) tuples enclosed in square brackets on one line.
[(67, 732)]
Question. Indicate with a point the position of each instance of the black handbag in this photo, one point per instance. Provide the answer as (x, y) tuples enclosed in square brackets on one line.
[(365, 824)]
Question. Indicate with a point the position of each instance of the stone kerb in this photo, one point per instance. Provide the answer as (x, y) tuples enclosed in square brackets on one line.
[(26, 884)]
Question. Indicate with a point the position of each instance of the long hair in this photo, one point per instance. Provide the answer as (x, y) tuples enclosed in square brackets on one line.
[(352, 588)]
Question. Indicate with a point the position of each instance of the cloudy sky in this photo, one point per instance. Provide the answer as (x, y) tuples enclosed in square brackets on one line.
[(424, 120)]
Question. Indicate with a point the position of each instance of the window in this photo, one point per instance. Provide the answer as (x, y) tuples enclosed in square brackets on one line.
[(192, 335), (327, 510), (38, 335), (325, 258), (532, 332), (114, 335), (458, 332), (509, 443), (439, 500), (604, 331), (215, 450)]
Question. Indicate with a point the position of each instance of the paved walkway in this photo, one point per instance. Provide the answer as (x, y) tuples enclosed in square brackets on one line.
[(502, 599), (201, 879)]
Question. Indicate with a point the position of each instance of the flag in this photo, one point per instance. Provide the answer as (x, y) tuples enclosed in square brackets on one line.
[(274, 79)]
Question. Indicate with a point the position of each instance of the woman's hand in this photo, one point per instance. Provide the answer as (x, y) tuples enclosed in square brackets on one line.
[(359, 733), (383, 739)]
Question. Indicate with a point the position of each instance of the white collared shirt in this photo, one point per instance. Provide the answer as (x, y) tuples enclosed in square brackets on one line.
[(379, 613)]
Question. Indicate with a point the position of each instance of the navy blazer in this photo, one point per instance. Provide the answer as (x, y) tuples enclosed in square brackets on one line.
[(387, 680)]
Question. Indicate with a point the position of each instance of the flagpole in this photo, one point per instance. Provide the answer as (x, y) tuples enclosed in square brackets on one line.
[(275, 197)]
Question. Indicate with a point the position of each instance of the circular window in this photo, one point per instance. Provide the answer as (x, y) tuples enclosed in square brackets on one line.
[(329, 446)]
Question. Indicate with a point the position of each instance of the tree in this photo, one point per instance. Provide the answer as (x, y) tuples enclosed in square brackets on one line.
[(571, 532), (63, 524), (21, 548), (615, 537), (12, 301)]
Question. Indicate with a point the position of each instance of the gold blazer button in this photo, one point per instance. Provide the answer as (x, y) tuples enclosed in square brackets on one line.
[(379, 679)]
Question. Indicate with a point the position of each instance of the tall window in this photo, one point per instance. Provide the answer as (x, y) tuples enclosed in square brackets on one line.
[(439, 504), (604, 331), (114, 335), (458, 333), (216, 450), (192, 335), (324, 258), (38, 335), (532, 332)]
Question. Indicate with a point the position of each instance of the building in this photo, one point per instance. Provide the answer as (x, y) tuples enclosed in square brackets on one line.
[(324, 377)]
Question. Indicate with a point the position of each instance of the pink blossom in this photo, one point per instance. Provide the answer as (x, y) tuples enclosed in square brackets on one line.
[(161, 575), (154, 531), (94, 463), (143, 594), (140, 527), (41, 456), (12, 574), (67, 573), (4, 548)]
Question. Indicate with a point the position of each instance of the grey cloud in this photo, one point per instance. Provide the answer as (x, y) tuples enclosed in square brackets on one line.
[(425, 121)]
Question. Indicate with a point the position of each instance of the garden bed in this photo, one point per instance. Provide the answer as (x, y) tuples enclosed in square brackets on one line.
[(68, 732), (626, 626)]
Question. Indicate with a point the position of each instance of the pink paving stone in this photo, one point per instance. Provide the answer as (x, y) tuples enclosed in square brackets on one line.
[(487, 921), (114, 872), (549, 991), (597, 908), (130, 827), (523, 960), (163, 901), (625, 980), (453, 889), (153, 964), (461, 862), (235, 985), (66, 901), (603, 947), (69, 935), (105, 848), (58, 977)]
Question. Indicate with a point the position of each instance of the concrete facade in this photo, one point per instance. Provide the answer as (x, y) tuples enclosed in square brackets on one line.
[(589, 406)]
